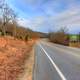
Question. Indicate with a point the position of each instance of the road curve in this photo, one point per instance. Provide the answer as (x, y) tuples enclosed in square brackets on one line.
[(56, 62)]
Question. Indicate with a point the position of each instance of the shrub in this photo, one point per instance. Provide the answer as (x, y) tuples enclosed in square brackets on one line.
[(59, 37)]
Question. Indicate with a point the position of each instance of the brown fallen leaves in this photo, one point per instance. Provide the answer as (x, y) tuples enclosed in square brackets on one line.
[(13, 53)]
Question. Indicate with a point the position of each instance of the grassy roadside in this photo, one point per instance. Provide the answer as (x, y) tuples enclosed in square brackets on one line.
[(76, 44), (28, 68), (13, 54)]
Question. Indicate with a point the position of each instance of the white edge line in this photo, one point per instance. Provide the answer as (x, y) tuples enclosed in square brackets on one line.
[(77, 55), (55, 66)]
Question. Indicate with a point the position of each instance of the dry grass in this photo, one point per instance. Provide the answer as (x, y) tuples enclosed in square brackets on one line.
[(28, 68), (76, 44), (13, 53)]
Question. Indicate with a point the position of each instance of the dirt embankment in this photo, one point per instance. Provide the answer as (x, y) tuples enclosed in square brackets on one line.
[(13, 54)]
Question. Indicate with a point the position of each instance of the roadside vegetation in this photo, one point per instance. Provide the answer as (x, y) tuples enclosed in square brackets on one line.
[(59, 37), (62, 37), (13, 54), (74, 40), (9, 25), (16, 43)]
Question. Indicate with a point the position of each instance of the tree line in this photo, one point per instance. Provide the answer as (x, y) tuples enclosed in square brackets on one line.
[(63, 37), (9, 25), (60, 36)]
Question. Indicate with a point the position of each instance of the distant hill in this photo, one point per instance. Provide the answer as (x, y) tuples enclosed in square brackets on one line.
[(41, 34)]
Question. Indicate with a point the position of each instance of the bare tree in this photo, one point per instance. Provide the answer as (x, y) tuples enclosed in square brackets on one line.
[(79, 36), (60, 36), (14, 21), (8, 15)]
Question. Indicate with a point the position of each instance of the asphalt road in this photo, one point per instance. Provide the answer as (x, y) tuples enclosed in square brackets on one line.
[(56, 62)]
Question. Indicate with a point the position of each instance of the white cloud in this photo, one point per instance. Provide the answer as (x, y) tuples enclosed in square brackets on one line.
[(68, 18), (34, 24)]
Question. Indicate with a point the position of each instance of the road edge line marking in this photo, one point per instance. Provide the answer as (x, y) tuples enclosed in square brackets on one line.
[(77, 55), (55, 66)]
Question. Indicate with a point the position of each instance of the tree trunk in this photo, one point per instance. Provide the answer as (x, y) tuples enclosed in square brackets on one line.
[(3, 29)]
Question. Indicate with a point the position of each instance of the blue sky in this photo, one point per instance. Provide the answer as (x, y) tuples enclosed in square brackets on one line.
[(47, 15)]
